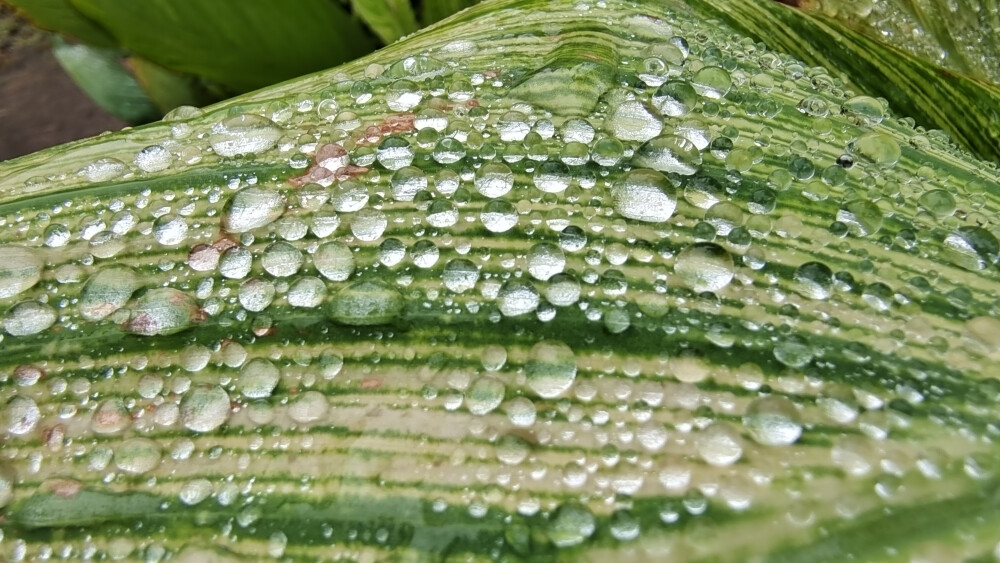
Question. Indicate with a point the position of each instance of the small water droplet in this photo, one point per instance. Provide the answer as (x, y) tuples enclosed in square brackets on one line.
[(719, 444)]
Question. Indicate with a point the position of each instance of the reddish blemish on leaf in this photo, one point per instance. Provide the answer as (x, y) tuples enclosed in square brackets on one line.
[(371, 383)]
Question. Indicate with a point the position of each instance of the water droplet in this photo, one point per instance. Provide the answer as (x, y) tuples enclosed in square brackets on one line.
[(369, 224), (235, 263), (513, 126), (494, 180), (349, 196), (669, 153), (195, 491), (814, 280), (644, 195), (563, 290), (972, 248), (251, 208), (545, 260), (107, 291), (308, 407), (243, 134), (258, 378), (551, 368), (407, 182), (334, 260), (712, 82), (624, 526), (256, 294), (631, 120), (394, 153), (793, 351), (517, 298), (162, 311), (20, 415), (8, 480), (153, 158), (460, 275), (110, 417), (170, 230), (20, 269), (498, 216), (773, 421), (704, 266), (205, 408), (137, 456), (863, 110), (281, 259), (719, 444), (940, 203), (862, 218), (484, 395), (552, 177), (307, 292), (879, 148), (512, 450), (571, 525), (675, 98), (29, 317), (366, 303)]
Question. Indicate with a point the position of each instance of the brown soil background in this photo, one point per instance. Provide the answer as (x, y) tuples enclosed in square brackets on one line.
[(40, 106)]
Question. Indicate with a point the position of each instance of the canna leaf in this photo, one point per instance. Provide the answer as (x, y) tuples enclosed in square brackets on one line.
[(242, 49), (429, 306), (389, 19)]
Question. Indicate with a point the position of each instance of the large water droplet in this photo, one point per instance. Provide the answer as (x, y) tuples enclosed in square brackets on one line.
[(633, 121), (205, 408), (137, 456), (460, 275), (815, 280), (107, 291), (517, 298), (551, 368), (163, 311), (244, 134), (20, 415), (712, 82), (704, 266), (484, 395), (644, 195), (29, 317), (366, 303), (773, 421), (494, 180), (251, 208), (719, 444), (571, 525), (258, 378), (972, 248), (281, 259), (334, 260), (669, 153), (20, 269)]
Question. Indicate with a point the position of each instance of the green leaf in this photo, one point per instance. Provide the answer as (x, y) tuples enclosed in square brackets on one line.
[(168, 89), (437, 10), (62, 17), (550, 281), (389, 19), (960, 35), (100, 74), (242, 45), (965, 107)]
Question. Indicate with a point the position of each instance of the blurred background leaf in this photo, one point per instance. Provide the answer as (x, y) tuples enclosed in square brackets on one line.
[(99, 72), (389, 19), (131, 56)]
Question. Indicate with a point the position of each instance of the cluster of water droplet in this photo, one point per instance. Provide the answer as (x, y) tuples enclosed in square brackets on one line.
[(661, 292)]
